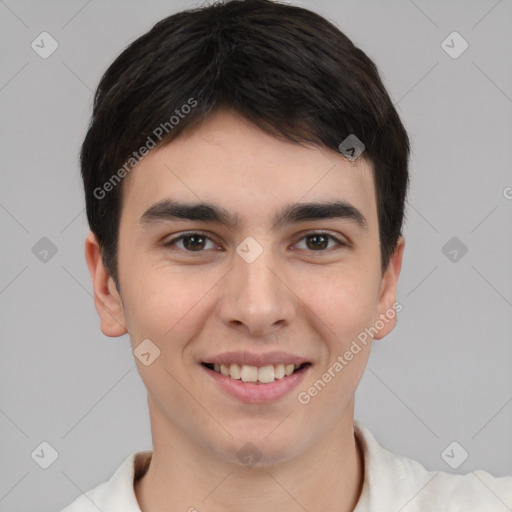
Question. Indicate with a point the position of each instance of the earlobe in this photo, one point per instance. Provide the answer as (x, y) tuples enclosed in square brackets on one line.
[(387, 305), (106, 297)]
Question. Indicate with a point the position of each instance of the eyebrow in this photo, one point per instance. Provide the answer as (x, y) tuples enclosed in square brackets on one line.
[(168, 210)]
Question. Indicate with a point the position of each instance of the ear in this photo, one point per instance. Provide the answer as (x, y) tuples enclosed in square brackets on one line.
[(387, 307), (106, 297)]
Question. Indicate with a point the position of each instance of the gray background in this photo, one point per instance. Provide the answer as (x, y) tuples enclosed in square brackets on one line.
[(443, 375)]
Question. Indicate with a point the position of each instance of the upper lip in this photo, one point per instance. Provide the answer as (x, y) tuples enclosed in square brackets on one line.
[(253, 359)]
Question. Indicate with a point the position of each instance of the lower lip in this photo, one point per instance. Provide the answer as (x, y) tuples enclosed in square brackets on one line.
[(251, 393)]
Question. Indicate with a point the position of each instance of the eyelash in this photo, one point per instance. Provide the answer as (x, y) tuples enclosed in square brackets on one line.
[(173, 241)]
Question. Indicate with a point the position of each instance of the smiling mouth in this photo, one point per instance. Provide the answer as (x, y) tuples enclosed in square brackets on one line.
[(256, 374)]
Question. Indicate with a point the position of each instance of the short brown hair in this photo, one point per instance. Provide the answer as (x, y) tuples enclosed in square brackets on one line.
[(286, 69)]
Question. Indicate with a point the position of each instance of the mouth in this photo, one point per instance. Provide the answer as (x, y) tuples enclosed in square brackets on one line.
[(257, 374), (251, 384), (256, 377)]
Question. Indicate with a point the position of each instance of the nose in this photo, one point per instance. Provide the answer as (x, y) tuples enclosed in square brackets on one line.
[(256, 299)]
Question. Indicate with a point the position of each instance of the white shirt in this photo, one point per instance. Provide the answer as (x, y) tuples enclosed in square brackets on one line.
[(392, 483)]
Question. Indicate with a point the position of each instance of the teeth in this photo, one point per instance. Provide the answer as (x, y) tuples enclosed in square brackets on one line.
[(288, 369), (266, 374), (279, 371), (249, 373), (234, 371), (263, 374)]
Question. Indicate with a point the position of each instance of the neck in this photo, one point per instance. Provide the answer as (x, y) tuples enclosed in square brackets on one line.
[(184, 476)]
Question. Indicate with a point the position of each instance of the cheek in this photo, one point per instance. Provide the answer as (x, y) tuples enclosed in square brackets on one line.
[(347, 305), (157, 302), (170, 307), (344, 300), (163, 307)]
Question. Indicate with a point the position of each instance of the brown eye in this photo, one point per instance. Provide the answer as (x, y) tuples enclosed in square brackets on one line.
[(319, 242), (192, 242)]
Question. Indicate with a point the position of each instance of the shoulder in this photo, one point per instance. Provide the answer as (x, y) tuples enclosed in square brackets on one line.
[(393, 481), (118, 492)]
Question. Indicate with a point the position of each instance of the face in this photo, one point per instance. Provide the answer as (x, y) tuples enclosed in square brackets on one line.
[(252, 280)]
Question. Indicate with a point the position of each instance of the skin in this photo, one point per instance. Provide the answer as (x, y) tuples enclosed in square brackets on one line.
[(294, 297)]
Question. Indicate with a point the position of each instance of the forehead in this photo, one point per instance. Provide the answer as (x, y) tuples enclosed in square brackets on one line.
[(227, 160)]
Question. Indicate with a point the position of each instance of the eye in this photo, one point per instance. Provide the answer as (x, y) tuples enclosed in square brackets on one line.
[(197, 242), (191, 242), (319, 241)]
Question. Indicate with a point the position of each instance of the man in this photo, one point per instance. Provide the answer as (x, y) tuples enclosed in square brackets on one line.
[(245, 174)]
